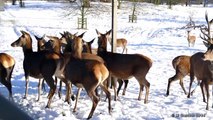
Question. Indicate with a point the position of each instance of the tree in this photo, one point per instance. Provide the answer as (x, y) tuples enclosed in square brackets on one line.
[(21, 3), (13, 2), (205, 3), (133, 16)]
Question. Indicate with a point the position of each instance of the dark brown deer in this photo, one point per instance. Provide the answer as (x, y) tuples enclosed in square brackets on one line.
[(54, 45), (7, 64), (124, 66), (87, 74), (40, 42), (202, 63), (37, 64)]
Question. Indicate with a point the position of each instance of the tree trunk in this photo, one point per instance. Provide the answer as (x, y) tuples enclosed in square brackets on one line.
[(82, 17), (21, 3), (13, 2), (133, 12), (86, 3)]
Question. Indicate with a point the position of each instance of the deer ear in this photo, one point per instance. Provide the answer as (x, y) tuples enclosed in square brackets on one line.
[(23, 32), (99, 34), (108, 33), (81, 36), (75, 33), (207, 44), (37, 38), (61, 34), (92, 41)]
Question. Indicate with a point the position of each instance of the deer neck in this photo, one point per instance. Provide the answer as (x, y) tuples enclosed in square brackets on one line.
[(28, 48), (211, 66)]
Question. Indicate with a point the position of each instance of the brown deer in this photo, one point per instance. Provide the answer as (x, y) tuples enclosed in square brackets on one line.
[(124, 66), (87, 74), (181, 64), (120, 42), (40, 42), (37, 64), (7, 64), (55, 44), (86, 54), (191, 39), (202, 63)]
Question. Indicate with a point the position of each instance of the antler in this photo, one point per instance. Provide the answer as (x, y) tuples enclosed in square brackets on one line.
[(206, 31)]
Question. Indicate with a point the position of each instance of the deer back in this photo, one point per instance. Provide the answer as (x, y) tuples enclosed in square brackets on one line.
[(182, 63), (121, 42), (6, 60)]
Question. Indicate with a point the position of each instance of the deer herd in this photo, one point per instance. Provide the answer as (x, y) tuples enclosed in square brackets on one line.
[(71, 60)]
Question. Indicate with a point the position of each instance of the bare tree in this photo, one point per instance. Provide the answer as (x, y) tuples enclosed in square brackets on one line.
[(84, 8), (13, 2)]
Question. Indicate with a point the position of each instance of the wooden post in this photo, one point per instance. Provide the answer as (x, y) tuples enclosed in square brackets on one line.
[(114, 25), (2, 5), (114, 37)]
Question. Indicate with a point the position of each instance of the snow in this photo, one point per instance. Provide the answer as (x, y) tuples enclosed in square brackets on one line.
[(156, 34)]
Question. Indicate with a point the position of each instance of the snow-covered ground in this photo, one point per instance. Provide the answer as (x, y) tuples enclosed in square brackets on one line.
[(157, 34)]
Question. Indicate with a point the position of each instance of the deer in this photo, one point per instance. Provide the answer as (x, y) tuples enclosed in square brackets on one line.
[(87, 74), (55, 44), (7, 64), (202, 63), (120, 42), (181, 64), (125, 66), (37, 64), (191, 39), (40, 42)]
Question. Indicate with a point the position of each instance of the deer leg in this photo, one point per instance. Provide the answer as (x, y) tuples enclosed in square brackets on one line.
[(7, 85), (39, 88), (51, 83), (190, 84), (193, 91), (202, 90), (59, 90), (207, 94), (170, 80), (212, 95), (43, 86), (125, 86), (68, 92), (26, 86), (114, 87), (120, 83), (126, 50), (147, 85), (95, 101), (108, 94), (182, 86), (77, 97)]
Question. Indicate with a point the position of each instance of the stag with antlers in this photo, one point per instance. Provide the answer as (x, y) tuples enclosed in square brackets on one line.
[(202, 63)]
